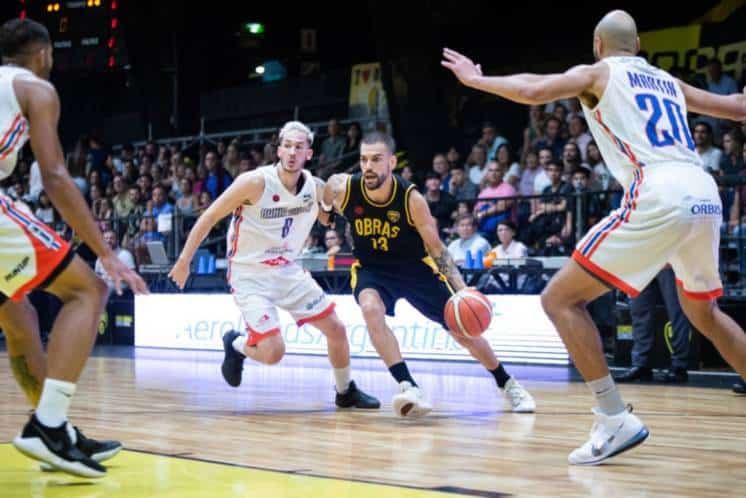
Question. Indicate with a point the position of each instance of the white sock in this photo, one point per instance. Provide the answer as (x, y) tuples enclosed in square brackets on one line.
[(342, 378), (56, 396), (608, 397), (239, 343)]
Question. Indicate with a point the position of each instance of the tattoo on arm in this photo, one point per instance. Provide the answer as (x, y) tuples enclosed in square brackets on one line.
[(448, 268), (30, 385)]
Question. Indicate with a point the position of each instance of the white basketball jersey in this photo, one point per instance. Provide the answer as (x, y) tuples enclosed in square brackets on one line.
[(13, 125), (272, 231), (640, 120)]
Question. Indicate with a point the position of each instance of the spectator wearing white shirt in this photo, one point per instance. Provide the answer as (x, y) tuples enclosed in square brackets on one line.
[(110, 237), (469, 240), (509, 248), (709, 154)]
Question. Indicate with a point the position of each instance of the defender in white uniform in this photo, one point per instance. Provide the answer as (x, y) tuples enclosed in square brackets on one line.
[(274, 208), (671, 211), (33, 256)]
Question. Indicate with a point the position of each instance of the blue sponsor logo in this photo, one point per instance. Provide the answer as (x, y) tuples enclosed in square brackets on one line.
[(706, 208)]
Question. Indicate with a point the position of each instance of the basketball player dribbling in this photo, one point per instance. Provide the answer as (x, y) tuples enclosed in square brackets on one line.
[(33, 256), (671, 212), (274, 208), (400, 255)]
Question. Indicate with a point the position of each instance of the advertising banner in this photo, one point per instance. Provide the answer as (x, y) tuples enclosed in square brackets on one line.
[(520, 331)]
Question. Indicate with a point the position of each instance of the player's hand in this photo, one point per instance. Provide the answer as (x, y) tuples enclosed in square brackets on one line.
[(179, 273), (118, 273), (461, 66)]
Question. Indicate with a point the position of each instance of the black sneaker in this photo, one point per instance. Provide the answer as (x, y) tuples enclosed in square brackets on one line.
[(54, 446), (233, 361), (740, 387), (357, 398), (98, 450)]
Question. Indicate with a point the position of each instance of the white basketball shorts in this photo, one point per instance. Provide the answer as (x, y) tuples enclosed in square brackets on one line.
[(671, 214), (259, 291), (31, 253)]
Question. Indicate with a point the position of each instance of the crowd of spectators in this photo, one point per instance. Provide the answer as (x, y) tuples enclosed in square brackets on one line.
[(499, 199)]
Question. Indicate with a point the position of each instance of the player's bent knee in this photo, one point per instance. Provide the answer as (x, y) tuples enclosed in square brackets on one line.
[(372, 310), (272, 349)]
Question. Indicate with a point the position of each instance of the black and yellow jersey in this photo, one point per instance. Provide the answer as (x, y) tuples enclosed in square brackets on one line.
[(384, 233)]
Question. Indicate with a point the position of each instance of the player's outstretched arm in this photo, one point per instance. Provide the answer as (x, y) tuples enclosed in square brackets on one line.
[(246, 188), (427, 227), (41, 105), (529, 88), (720, 106), (335, 191)]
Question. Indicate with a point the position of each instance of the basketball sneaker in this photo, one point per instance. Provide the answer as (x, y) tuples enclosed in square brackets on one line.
[(520, 399), (610, 435), (354, 397), (233, 362), (99, 451), (410, 402), (54, 446)]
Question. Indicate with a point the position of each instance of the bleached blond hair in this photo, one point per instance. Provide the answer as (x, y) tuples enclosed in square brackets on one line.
[(296, 126)]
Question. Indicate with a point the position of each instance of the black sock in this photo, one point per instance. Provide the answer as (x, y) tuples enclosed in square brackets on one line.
[(501, 376), (401, 373)]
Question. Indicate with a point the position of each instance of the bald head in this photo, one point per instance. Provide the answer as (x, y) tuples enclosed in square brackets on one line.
[(617, 33)]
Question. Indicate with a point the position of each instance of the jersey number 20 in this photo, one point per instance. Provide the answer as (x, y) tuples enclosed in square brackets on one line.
[(677, 131)]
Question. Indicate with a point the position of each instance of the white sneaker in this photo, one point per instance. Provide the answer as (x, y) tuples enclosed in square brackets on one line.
[(610, 436), (520, 400), (410, 402)]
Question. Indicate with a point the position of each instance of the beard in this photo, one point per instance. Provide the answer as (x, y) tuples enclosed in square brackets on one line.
[(373, 181)]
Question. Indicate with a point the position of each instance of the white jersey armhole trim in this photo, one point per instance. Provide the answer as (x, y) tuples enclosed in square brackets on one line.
[(606, 89)]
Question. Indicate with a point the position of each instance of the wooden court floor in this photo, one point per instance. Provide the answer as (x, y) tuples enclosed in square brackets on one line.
[(188, 434)]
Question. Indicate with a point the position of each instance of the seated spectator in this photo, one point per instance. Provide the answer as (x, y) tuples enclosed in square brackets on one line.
[(552, 138), (159, 204), (535, 129), (441, 203), (145, 183), (45, 211), (550, 217), (492, 140), (541, 180), (110, 237), (476, 164), (579, 135), (198, 182), (709, 154), (453, 157), (505, 162), (732, 161), (204, 202), (584, 204), (468, 240), (334, 243), (570, 160), (498, 200), (217, 178), (351, 152), (103, 210), (231, 160), (406, 173), (188, 203), (459, 186), (527, 174), (332, 148), (440, 166), (508, 248), (246, 164)]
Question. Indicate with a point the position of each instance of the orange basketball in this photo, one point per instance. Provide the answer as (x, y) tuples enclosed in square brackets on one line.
[(468, 312)]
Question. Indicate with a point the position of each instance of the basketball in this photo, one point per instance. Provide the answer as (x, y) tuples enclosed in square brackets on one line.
[(468, 312)]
